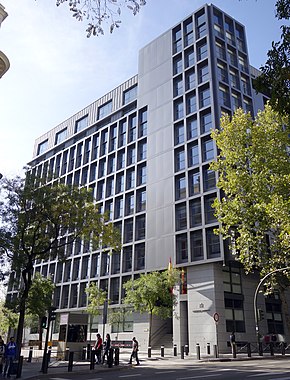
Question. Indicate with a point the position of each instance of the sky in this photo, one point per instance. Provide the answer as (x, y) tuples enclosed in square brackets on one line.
[(55, 70)]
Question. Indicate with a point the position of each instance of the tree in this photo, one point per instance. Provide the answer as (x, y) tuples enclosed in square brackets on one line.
[(254, 176), (39, 300), (99, 11), (39, 221), (152, 293), (275, 78)]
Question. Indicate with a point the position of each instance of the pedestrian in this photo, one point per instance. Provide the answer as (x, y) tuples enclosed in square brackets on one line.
[(107, 347), (2, 353), (10, 355), (98, 349), (135, 349)]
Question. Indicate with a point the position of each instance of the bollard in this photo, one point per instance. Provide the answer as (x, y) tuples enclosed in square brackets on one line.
[(249, 352), (186, 349), (182, 352), (89, 348), (117, 356), (110, 358), (208, 348), (283, 348), (92, 362), (30, 355), (271, 348), (84, 353), (175, 350), (197, 351), (66, 355), (215, 351), (70, 361), (149, 352), (234, 350), (19, 367), (260, 349), (162, 351)]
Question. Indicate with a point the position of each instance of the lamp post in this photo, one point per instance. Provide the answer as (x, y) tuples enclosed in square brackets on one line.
[(256, 296)]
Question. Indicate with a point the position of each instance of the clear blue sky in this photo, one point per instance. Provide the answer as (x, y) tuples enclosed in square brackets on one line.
[(56, 71)]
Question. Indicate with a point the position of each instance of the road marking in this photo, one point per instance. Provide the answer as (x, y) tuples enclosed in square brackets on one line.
[(198, 377)]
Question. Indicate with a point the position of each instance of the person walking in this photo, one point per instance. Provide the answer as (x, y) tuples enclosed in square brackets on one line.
[(135, 349), (10, 355), (2, 354), (107, 347), (98, 349)]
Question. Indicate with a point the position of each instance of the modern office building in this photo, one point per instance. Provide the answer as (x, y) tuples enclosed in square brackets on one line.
[(4, 61), (144, 149)]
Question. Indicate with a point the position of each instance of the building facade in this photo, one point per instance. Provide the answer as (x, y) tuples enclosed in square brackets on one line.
[(144, 149), (4, 61)]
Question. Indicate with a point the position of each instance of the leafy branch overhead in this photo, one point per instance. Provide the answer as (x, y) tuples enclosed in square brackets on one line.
[(98, 12)]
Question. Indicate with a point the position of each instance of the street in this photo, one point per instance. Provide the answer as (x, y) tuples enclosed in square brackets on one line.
[(278, 369)]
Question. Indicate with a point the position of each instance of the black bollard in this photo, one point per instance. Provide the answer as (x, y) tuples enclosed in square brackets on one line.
[(19, 367), (110, 358), (149, 352), (215, 351), (271, 348), (182, 352), (197, 351), (175, 350), (249, 352), (70, 361), (117, 356), (162, 351), (186, 349), (208, 348), (92, 362), (30, 355)]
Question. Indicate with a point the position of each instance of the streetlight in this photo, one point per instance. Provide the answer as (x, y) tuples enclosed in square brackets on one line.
[(256, 296)]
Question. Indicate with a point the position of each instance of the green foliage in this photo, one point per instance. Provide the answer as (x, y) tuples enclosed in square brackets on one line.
[(96, 298), (254, 175), (40, 296), (275, 78), (152, 293)]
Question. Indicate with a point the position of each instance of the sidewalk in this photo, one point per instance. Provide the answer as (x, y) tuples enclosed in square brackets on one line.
[(32, 370)]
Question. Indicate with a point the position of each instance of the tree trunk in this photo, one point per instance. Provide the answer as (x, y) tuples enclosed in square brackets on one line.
[(40, 333)]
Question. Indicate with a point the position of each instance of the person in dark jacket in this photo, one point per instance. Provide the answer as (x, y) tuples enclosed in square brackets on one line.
[(10, 355)]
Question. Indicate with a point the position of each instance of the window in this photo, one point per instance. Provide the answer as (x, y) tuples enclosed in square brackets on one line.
[(177, 86), (204, 97), (180, 187), (180, 217), (141, 175), (195, 212), (177, 65), (181, 249), (189, 57), (205, 122), (132, 132), (193, 154), (191, 126), (81, 124), (191, 103), (188, 32), (196, 245), (179, 160), (203, 74), (105, 110), (143, 123), (207, 150), (130, 95), (60, 136), (42, 147), (129, 204), (140, 227), (128, 231), (178, 109), (212, 244), (139, 260), (190, 81), (209, 181), (141, 200), (127, 259), (178, 133), (208, 209), (194, 182), (177, 41)]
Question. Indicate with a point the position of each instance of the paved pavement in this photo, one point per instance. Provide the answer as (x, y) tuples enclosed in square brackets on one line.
[(32, 370)]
